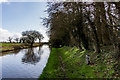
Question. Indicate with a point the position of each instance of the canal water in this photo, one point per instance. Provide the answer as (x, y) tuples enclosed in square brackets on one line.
[(25, 63)]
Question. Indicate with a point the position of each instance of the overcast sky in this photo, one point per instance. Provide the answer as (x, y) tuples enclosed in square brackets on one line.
[(21, 16)]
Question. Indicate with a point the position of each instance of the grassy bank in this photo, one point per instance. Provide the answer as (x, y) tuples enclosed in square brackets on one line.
[(5, 47), (69, 62)]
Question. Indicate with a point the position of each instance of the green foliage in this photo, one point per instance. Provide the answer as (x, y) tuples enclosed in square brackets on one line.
[(75, 65)]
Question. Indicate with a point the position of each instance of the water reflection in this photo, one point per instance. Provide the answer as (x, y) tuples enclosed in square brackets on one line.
[(31, 56), (10, 53), (26, 63)]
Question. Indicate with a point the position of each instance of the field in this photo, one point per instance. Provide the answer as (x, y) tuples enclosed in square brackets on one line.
[(5, 47), (9, 44)]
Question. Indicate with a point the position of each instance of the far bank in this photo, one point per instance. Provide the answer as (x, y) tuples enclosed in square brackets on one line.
[(6, 47)]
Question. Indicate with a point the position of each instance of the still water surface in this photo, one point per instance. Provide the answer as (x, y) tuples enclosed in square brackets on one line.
[(26, 63)]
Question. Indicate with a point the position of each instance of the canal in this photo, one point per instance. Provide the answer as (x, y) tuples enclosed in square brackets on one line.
[(25, 63)]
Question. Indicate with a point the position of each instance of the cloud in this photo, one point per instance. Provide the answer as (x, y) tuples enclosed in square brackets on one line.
[(1, 1), (4, 34), (43, 32)]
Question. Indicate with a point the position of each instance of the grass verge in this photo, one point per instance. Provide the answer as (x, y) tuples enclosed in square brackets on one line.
[(102, 66), (6, 47)]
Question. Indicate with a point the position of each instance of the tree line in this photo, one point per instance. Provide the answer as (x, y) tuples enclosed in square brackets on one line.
[(28, 37), (87, 25)]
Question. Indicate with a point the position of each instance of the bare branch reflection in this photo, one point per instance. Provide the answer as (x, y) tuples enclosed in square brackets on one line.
[(31, 56)]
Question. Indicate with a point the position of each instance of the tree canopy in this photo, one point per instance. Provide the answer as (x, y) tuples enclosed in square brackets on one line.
[(31, 36), (85, 25)]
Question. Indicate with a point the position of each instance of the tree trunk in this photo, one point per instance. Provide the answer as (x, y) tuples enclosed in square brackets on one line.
[(92, 24), (105, 31), (32, 43), (97, 22), (96, 38), (39, 40)]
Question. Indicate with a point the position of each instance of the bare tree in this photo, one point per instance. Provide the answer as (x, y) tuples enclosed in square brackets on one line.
[(10, 39), (16, 39)]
